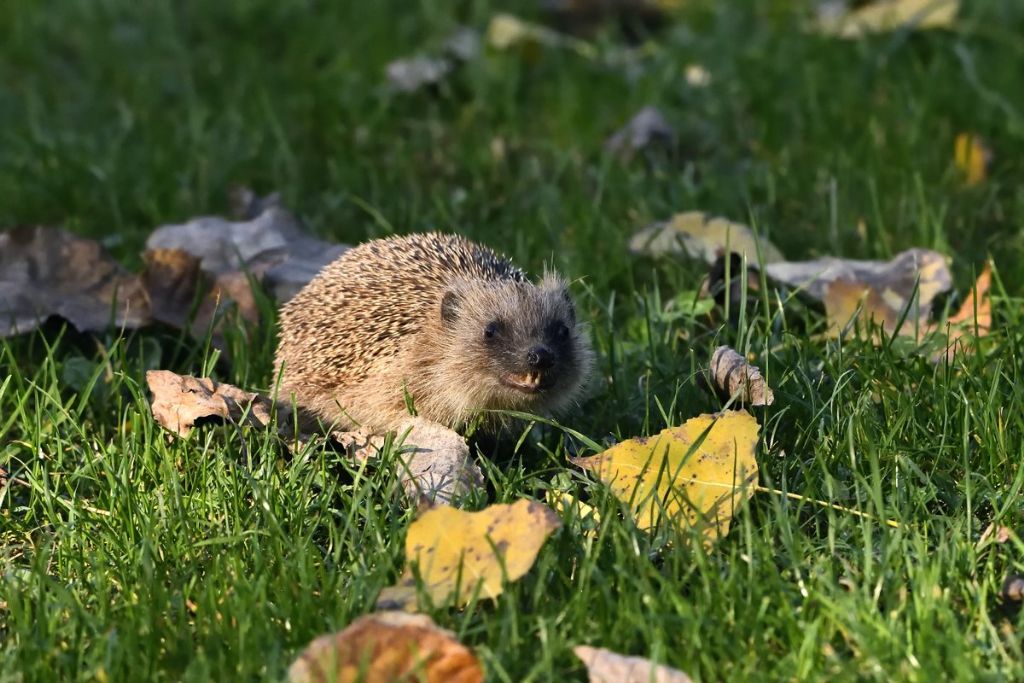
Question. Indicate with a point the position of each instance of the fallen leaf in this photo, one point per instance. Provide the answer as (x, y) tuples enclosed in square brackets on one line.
[(605, 666), (972, 157), (174, 284), (693, 476), (739, 379), (973, 320), (887, 15), (506, 31), (698, 235), (893, 281), (565, 503), (436, 462), (180, 400), (646, 129), (458, 553), (994, 534), (385, 647), (272, 243), (47, 271), (247, 205)]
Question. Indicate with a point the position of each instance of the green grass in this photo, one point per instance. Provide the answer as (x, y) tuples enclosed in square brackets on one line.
[(125, 555)]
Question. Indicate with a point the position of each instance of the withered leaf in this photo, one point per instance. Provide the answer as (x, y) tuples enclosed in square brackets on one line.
[(737, 378), (605, 666), (174, 283), (273, 243), (698, 235), (178, 401), (385, 647), (48, 271), (647, 128), (893, 280)]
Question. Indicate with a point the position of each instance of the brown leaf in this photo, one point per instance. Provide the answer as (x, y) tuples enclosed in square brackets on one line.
[(648, 128), (974, 319), (272, 243), (174, 284), (385, 647), (738, 378), (47, 271), (892, 280), (605, 666), (178, 401)]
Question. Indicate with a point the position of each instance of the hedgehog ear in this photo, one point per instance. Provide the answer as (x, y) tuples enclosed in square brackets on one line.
[(450, 307)]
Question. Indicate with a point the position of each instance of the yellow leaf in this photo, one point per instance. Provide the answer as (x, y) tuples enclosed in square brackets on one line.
[(588, 515), (971, 157), (890, 15), (702, 236), (694, 475), (455, 554), (974, 319)]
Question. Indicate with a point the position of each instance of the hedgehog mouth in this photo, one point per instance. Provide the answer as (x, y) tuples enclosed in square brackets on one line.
[(526, 382)]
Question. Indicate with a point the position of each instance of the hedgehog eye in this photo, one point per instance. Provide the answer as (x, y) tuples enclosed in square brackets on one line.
[(492, 329), (561, 331)]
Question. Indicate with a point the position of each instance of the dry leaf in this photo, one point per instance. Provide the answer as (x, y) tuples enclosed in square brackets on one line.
[(386, 647), (700, 236), (455, 552), (46, 271), (605, 666), (647, 128), (972, 157), (178, 401), (974, 319), (436, 462), (694, 475), (894, 279), (739, 379), (272, 243), (887, 15), (173, 283), (507, 31)]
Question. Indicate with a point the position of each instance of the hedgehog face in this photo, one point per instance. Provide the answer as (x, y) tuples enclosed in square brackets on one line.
[(515, 346)]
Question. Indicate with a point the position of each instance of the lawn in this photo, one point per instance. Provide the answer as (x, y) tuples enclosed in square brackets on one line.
[(128, 555)]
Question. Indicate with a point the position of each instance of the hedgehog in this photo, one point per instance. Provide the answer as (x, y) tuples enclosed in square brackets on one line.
[(435, 323)]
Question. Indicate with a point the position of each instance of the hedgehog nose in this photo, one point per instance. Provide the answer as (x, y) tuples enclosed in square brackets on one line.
[(540, 358)]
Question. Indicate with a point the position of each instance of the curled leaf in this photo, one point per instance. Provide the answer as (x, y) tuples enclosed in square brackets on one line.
[(698, 235), (739, 379), (458, 553), (693, 476), (605, 666), (272, 243), (47, 271), (178, 401), (387, 646)]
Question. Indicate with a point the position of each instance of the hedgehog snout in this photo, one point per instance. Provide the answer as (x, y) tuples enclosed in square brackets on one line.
[(540, 358)]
